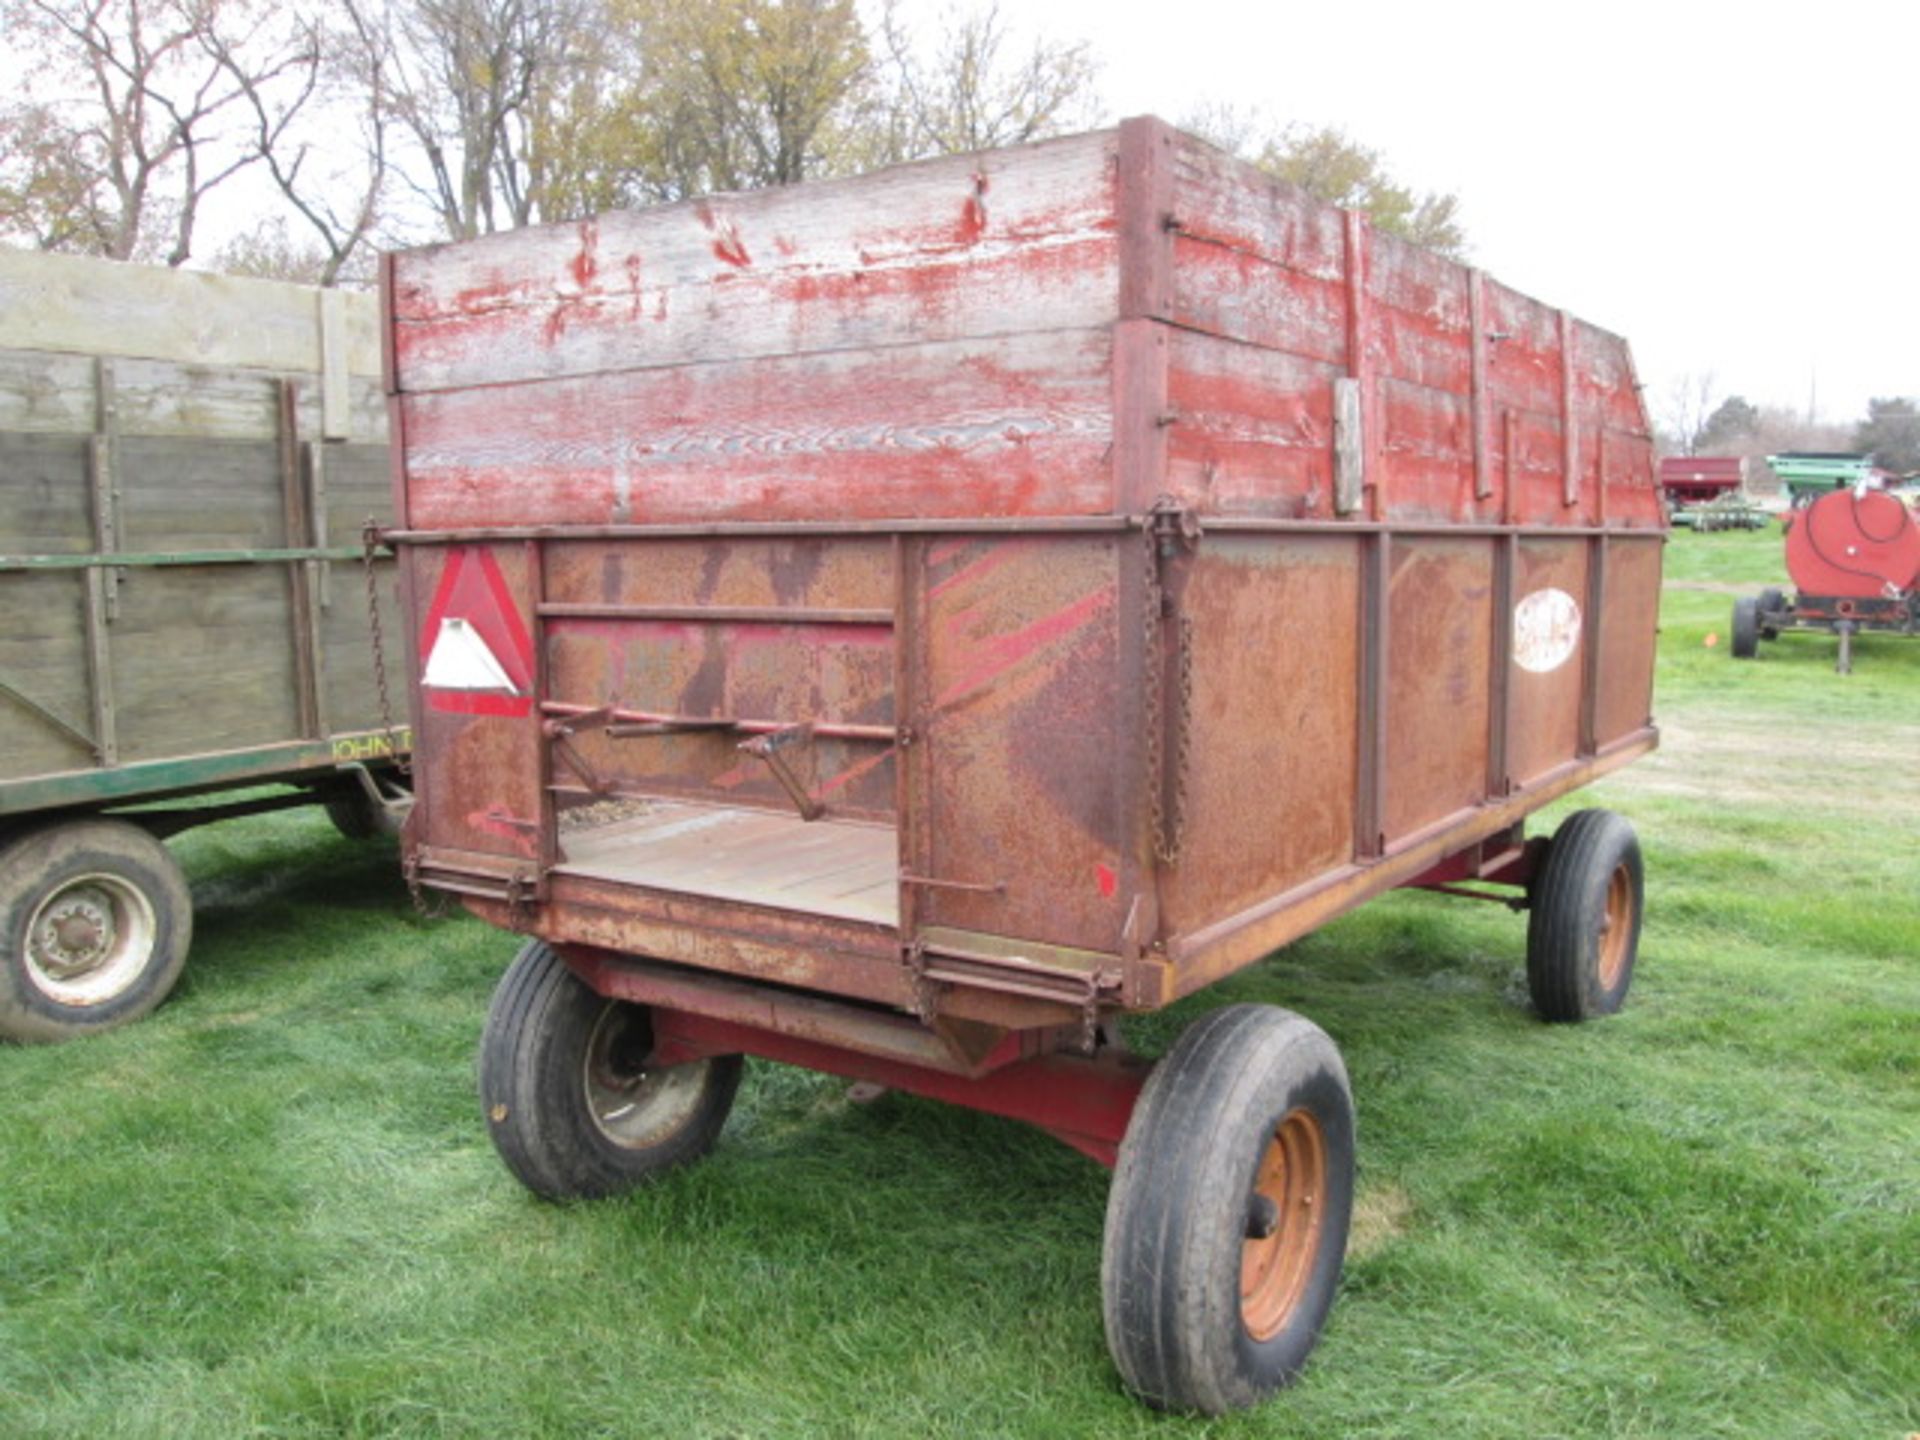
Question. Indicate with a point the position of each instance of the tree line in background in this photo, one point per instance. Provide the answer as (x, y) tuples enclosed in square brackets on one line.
[(378, 123), (1698, 422)]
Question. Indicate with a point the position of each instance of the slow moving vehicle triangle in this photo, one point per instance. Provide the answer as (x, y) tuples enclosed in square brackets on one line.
[(479, 659)]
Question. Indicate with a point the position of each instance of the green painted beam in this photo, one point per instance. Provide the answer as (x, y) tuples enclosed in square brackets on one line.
[(184, 773), (129, 558)]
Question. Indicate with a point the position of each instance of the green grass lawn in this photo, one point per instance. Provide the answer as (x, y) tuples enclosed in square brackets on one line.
[(272, 1208)]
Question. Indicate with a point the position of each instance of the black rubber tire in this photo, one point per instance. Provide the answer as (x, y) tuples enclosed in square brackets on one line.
[(1590, 881), (1746, 628), (1177, 1215), (544, 1029), (1772, 602), (127, 896)]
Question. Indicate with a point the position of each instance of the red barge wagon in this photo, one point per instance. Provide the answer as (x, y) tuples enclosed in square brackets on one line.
[(899, 625)]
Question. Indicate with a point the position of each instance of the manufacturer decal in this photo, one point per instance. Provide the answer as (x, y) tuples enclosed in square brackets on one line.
[(1546, 630)]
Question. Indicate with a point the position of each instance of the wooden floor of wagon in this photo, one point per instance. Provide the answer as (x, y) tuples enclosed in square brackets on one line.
[(843, 868)]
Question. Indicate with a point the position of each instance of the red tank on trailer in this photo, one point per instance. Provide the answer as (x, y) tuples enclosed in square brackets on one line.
[(1861, 545), (1855, 557), (971, 602)]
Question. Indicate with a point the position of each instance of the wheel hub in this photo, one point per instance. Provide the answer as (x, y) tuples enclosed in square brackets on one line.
[(77, 935), (632, 1104), (1616, 926), (89, 941), (1285, 1215)]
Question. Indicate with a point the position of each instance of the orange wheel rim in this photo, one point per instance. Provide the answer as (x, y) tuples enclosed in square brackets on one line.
[(1275, 1268), (1616, 927)]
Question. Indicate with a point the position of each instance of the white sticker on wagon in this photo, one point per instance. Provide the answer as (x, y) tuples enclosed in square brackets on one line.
[(1546, 630), (462, 661)]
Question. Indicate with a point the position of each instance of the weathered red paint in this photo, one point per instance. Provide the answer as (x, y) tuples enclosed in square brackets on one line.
[(872, 468), (1083, 1103)]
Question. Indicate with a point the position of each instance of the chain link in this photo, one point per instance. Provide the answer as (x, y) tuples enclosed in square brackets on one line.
[(402, 763), (1155, 687), (1168, 827)]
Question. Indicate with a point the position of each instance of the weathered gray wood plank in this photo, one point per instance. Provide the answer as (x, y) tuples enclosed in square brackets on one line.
[(50, 392), (99, 307), (201, 661), (43, 655)]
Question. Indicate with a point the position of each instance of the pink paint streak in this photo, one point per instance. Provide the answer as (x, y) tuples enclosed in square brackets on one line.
[(1003, 652)]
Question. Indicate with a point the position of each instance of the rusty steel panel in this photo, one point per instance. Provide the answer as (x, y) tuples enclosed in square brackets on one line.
[(1272, 767), (478, 780), (1547, 664), (1627, 642), (776, 630), (1018, 711), (1438, 674)]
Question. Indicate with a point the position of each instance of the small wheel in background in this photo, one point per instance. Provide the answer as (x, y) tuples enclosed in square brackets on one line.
[(572, 1106), (96, 919), (1583, 928), (1227, 1221), (1772, 602), (1746, 628)]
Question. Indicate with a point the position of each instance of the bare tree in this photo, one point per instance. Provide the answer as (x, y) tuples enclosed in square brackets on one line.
[(1690, 403), (467, 82), (138, 142), (339, 86), (975, 87)]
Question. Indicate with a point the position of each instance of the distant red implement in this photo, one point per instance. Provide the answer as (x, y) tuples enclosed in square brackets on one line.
[(1854, 556)]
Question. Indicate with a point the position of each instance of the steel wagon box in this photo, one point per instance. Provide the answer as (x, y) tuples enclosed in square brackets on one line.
[(186, 462), (898, 624)]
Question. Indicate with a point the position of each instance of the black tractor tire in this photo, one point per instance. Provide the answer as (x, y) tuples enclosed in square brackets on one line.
[(1746, 628), (1583, 926), (96, 918), (1236, 1171), (572, 1108), (1772, 602)]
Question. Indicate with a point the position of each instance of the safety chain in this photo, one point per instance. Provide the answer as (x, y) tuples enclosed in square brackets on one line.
[(410, 871), (370, 541), (1163, 523)]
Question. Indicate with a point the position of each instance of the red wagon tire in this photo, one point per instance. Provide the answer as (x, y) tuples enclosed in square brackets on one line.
[(570, 1104), (1583, 930), (1227, 1221), (95, 920)]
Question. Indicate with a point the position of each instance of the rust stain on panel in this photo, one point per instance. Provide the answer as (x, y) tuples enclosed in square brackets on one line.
[(1271, 779), (1440, 595)]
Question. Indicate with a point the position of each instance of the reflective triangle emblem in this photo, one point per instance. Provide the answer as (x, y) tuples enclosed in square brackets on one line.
[(479, 655), (462, 661)]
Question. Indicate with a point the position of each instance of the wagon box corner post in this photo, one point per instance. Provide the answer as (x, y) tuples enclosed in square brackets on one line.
[(867, 628)]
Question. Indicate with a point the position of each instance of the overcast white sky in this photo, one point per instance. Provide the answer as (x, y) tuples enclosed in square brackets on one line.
[(1734, 188)]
